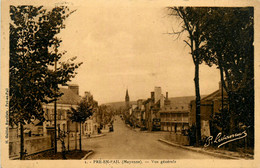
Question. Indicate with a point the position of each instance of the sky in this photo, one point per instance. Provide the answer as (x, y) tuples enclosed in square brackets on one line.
[(128, 46)]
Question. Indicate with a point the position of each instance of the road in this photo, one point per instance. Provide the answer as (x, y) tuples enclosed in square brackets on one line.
[(126, 143)]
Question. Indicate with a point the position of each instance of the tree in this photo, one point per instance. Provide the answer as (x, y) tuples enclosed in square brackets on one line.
[(226, 38), (33, 80), (80, 115), (229, 34), (106, 115), (61, 137), (192, 21)]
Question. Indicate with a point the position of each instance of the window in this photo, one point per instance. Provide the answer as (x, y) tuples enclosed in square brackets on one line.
[(52, 117), (185, 117), (178, 117), (58, 127), (52, 114), (63, 127), (46, 114), (63, 114), (59, 114)]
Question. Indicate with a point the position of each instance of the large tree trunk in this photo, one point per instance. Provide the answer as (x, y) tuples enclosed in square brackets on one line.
[(222, 98), (197, 89), (22, 157)]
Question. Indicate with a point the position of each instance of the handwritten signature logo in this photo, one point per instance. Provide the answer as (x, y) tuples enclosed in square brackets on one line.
[(224, 139)]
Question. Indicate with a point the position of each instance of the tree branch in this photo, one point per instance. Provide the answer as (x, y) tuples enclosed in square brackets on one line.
[(187, 43)]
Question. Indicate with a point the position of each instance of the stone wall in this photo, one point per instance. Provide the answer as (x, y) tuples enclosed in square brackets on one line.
[(31, 145)]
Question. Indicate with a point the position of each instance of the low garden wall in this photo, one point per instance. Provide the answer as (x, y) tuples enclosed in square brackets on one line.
[(32, 145)]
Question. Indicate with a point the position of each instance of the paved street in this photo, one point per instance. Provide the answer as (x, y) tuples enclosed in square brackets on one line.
[(125, 143)]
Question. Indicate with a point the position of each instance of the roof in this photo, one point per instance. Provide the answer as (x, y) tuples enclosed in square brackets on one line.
[(173, 110), (68, 97), (180, 103), (147, 101), (214, 95), (134, 106), (73, 85)]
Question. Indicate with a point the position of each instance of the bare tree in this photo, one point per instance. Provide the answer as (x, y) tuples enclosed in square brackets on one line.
[(192, 20)]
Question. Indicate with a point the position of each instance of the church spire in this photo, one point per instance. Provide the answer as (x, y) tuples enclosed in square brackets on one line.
[(126, 96), (127, 99)]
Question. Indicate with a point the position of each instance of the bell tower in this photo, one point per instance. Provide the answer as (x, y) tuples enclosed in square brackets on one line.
[(127, 99)]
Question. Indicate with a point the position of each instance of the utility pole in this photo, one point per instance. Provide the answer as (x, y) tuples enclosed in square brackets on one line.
[(55, 101)]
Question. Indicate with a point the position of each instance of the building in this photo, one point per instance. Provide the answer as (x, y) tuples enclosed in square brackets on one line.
[(173, 119), (210, 106), (126, 111), (34, 129), (69, 99), (137, 112), (140, 113), (147, 113), (92, 124), (38, 136), (127, 100), (152, 107)]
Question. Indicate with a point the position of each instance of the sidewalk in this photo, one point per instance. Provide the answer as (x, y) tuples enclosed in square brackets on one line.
[(224, 154), (136, 129), (98, 135)]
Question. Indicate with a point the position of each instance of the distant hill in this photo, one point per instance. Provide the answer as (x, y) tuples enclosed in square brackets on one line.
[(180, 103), (117, 105)]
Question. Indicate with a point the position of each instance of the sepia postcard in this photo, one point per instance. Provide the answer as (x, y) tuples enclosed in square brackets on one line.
[(130, 83)]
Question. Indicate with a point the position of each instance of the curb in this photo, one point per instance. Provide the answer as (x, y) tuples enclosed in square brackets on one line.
[(96, 136), (135, 130), (87, 155), (201, 151)]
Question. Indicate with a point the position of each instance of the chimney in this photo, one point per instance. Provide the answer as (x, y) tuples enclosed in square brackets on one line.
[(167, 102), (157, 93), (152, 95), (74, 88), (162, 101)]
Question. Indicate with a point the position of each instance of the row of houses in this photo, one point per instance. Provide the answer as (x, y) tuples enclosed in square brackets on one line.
[(69, 99), (177, 115), (157, 113), (44, 130)]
